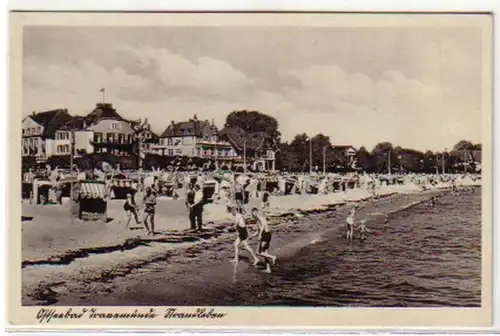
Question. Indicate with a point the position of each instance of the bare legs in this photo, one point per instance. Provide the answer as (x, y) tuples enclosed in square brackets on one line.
[(151, 217), (237, 244)]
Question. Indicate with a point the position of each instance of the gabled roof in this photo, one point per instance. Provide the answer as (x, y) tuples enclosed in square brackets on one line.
[(342, 147), (103, 111), (240, 139), (75, 124), (154, 137), (51, 121), (193, 127)]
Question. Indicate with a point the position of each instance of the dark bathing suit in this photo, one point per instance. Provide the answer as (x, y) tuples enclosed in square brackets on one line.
[(150, 208), (242, 233), (128, 207), (265, 241)]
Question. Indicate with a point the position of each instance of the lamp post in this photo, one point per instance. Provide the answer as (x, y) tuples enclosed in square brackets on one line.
[(71, 158), (310, 157), (245, 156), (388, 161)]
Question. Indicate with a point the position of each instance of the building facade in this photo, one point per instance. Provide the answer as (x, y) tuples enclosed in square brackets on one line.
[(39, 138), (195, 138)]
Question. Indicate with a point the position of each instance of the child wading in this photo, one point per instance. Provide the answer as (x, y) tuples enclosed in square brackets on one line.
[(265, 239), (350, 222)]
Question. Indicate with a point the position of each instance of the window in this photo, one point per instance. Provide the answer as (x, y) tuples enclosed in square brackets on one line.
[(98, 137), (170, 152), (116, 126), (24, 131), (178, 151), (169, 141), (109, 137), (121, 138), (28, 131)]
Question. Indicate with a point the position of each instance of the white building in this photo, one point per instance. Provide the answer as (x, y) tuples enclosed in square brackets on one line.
[(195, 138), (39, 133)]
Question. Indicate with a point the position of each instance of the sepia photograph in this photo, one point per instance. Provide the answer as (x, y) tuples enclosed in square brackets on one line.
[(254, 165)]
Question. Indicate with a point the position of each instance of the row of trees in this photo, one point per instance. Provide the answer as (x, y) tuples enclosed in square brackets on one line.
[(295, 155)]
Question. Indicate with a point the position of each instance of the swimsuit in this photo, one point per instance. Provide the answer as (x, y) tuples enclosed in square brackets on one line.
[(242, 232), (265, 240), (128, 207)]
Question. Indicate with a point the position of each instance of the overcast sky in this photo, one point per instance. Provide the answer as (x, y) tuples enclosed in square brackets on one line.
[(360, 86)]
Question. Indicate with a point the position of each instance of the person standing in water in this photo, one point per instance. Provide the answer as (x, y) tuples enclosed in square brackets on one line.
[(350, 222), (265, 239), (242, 238), (362, 229)]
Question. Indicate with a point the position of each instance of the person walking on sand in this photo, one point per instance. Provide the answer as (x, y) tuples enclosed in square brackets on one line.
[(131, 209), (264, 239), (239, 196), (149, 210), (242, 238), (189, 205), (350, 222), (196, 210)]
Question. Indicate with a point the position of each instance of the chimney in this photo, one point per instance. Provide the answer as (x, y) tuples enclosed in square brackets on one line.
[(195, 117), (213, 122), (33, 113)]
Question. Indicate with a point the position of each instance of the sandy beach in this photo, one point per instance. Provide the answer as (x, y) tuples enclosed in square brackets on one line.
[(68, 262)]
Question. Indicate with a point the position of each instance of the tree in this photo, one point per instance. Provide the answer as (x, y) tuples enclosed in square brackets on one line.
[(286, 159), (321, 151), (254, 122), (411, 160), (365, 160), (463, 145), (429, 164), (380, 155)]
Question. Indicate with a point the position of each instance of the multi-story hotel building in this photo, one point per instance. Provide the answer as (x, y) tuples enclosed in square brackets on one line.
[(39, 133), (231, 146), (195, 138)]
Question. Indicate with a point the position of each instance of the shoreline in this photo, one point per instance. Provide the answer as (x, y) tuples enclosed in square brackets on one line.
[(284, 206), (44, 283)]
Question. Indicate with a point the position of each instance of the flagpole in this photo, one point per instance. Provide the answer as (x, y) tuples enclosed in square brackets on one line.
[(103, 90)]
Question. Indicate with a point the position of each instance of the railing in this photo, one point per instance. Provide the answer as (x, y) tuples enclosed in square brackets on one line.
[(111, 142)]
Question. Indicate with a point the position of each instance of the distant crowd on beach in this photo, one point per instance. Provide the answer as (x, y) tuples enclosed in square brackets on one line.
[(198, 188)]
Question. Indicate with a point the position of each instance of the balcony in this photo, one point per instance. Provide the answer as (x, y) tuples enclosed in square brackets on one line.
[(212, 143), (217, 156)]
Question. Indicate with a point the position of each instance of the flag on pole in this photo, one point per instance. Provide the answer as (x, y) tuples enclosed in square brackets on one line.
[(101, 90)]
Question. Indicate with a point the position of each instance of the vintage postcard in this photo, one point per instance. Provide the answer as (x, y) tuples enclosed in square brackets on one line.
[(280, 170)]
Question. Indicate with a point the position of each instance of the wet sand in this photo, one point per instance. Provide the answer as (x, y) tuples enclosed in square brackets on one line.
[(176, 274)]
